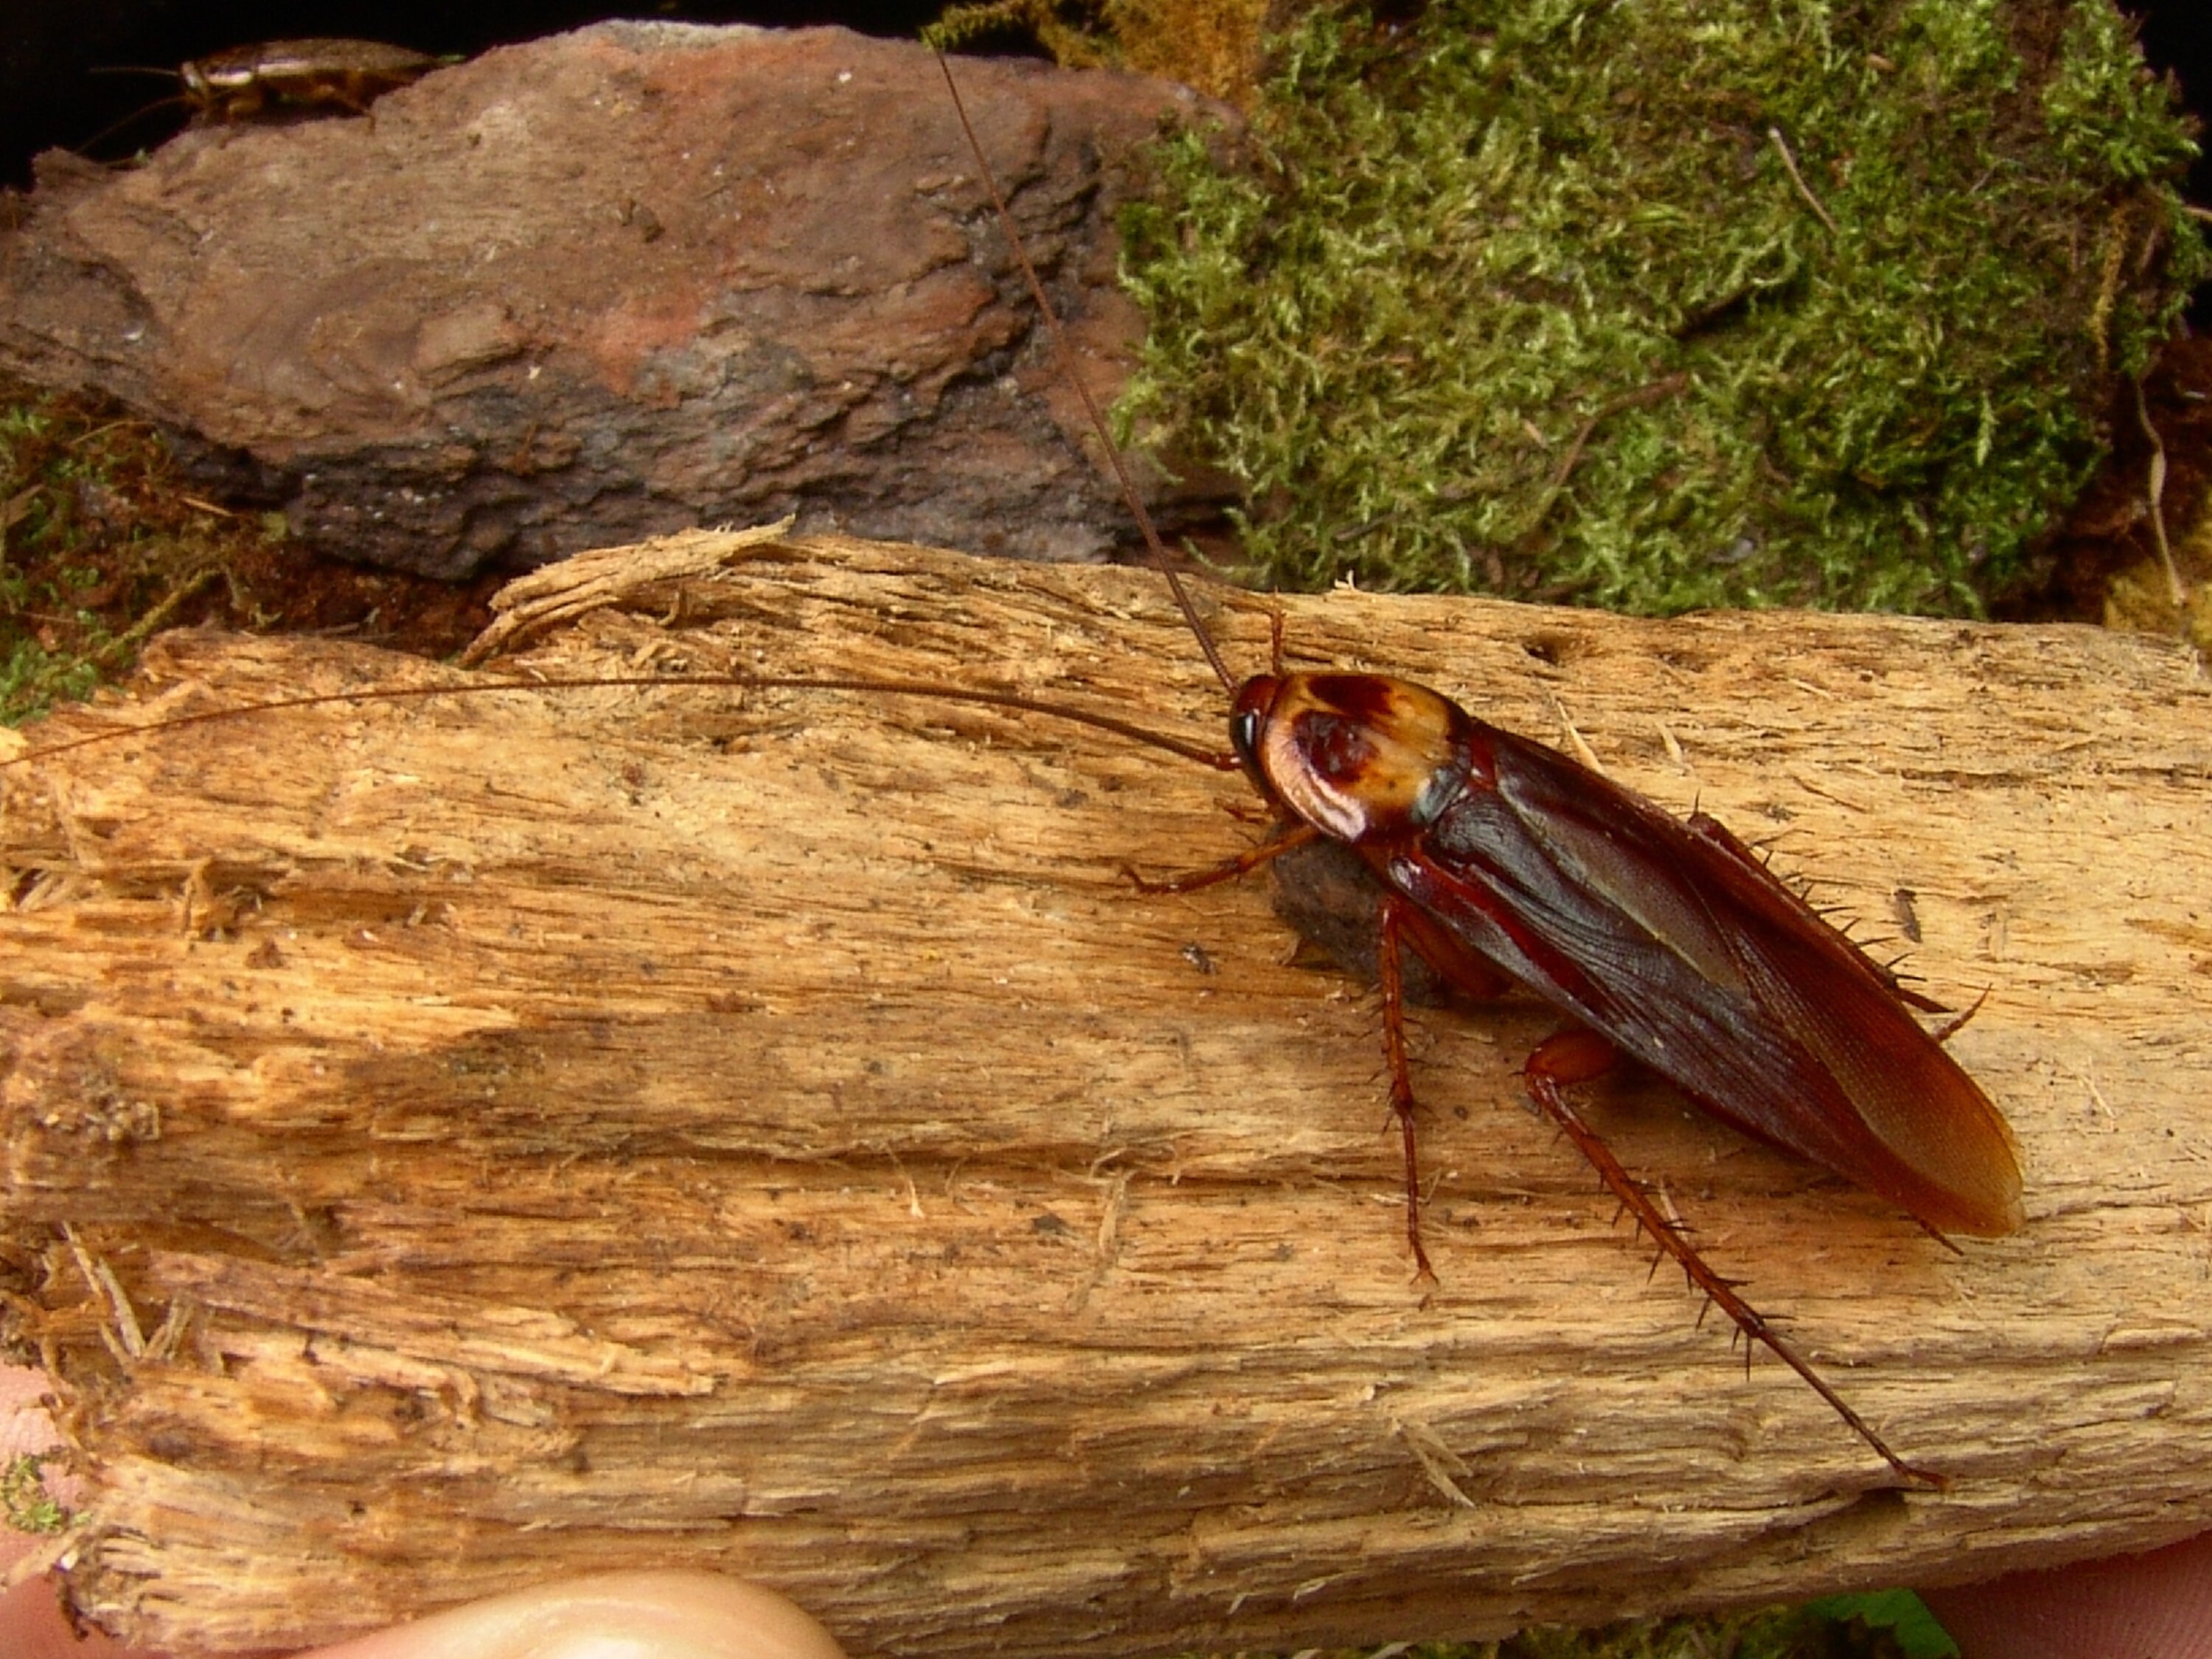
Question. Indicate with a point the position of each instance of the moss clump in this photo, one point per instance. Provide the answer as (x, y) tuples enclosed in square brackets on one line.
[(25, 1504), (1894, 1626), (1670, 305), (85, 572), (102, 542), (1210, 45)]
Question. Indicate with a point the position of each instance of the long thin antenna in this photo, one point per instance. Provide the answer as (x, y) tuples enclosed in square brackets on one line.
[(660, 683), (135, 115), (1067, 356)]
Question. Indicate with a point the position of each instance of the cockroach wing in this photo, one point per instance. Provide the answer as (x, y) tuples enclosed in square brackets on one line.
[(1688, 954)]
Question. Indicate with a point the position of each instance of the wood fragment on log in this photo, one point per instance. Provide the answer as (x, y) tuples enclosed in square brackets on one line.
[(453, 1143)]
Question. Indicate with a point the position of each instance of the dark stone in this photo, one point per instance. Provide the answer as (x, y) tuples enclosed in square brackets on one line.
[(616, 282)]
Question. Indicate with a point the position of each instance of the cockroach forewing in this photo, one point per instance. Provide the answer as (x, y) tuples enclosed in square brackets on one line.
[(304, 66), (307, 58), (1705, 967)]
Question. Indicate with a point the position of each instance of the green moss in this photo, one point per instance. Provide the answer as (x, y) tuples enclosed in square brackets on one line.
[(1210, 45), (1852, 1630), (1074, 35), (99, 545), (1672, 304), (1899, 1614), (25, 1504), (63, 478)]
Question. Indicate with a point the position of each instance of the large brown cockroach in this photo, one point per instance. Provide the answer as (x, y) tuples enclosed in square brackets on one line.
[(1486, 860), (1498, 862)]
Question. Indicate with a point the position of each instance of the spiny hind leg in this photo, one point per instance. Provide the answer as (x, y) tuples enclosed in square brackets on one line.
[(1577, 1056), (1711, 830)]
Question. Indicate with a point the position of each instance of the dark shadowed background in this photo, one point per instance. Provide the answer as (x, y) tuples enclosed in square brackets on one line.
[(48, 48)]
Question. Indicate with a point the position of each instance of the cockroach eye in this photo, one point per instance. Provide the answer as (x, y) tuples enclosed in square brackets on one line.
[(1245, 736)]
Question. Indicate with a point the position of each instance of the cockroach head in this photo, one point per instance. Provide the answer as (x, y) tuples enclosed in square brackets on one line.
[(1359, 756)]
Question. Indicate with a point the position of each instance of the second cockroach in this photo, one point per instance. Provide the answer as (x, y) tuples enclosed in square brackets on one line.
[(283, 80), (245, 82)]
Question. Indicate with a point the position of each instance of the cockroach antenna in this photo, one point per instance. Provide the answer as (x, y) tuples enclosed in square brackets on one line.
[(1066, 353)]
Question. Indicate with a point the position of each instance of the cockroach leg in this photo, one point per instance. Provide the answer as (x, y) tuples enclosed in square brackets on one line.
[(1472, 979), (1950, 1028), (1333, 899), (1393, 981), (1577, 1056), (1243, 865), (1711, 830)]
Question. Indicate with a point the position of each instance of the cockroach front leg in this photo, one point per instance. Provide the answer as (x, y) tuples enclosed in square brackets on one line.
[(1571, 1057), (1229, 870)]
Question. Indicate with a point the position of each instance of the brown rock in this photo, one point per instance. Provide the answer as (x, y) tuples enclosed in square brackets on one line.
[(619, 282)]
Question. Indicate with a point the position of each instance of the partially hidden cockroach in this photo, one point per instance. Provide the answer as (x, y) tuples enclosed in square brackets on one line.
[(282, 79), (1487, 861), (243, 82)]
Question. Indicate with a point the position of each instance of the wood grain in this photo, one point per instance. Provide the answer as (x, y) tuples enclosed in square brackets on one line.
[(459, 1141)]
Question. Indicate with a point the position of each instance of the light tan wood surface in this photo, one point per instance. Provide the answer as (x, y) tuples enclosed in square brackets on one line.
[(455, 1142)]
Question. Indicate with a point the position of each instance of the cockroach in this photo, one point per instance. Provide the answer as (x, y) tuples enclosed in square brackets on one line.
[(243, 82), (1483, 859), (1494, 862), (285, 80)]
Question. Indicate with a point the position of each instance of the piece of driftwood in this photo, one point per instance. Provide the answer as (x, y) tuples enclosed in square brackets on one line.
[(454, 1143)]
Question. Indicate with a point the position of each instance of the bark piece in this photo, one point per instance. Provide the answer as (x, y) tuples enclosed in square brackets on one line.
[(612, 284), (454, 1142)]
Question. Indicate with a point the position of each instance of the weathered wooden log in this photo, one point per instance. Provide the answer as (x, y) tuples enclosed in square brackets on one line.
[(451, 1143)]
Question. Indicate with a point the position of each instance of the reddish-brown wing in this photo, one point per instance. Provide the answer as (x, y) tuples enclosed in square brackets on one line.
[(1705, 966)]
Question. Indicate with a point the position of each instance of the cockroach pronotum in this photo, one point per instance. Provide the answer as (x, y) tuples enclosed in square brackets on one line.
[(1487, 859)]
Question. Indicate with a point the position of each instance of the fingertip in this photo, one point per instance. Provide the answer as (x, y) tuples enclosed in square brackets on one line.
[(2156, 1603), (631, 1615)]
